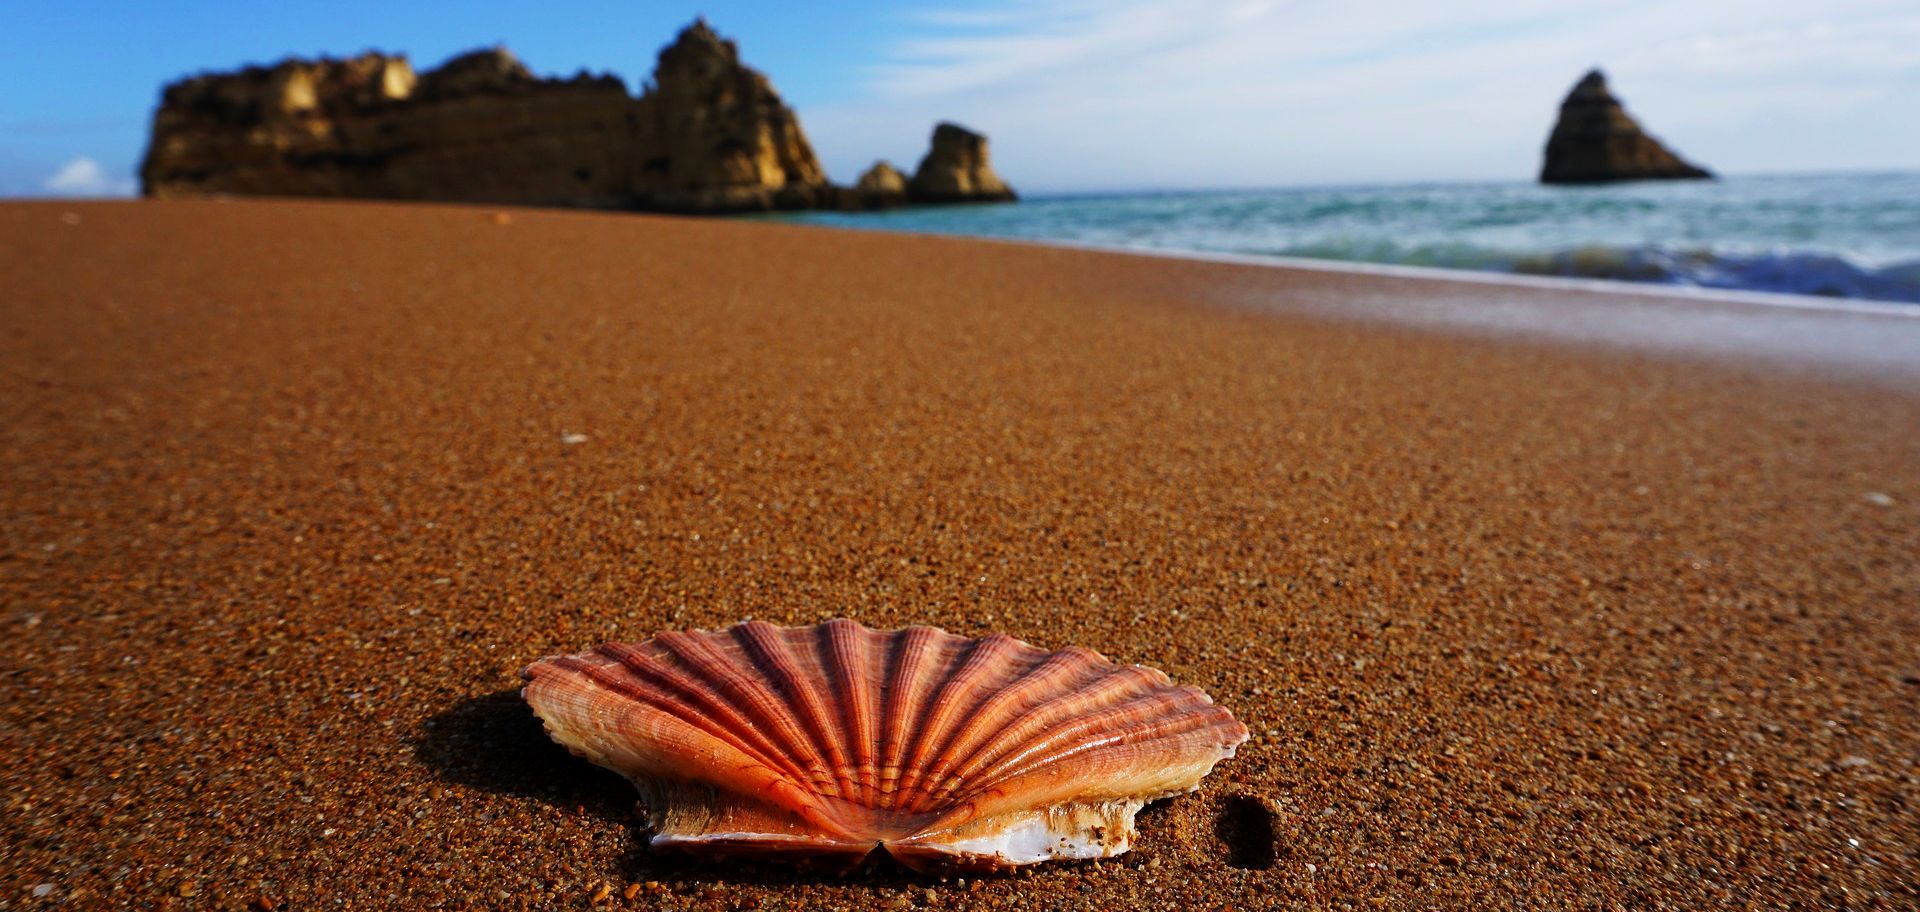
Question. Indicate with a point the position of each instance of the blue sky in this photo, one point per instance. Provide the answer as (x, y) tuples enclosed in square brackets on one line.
[(1076, 94)]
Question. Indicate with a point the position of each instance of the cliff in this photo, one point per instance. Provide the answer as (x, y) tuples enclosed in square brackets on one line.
[(711, 135), (1596, 141), (707, 135), (955, 170), (479, 129)]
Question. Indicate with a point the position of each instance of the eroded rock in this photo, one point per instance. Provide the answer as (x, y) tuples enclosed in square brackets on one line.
[(880, 186), (956, 170), (709, 134), (1596, 141)]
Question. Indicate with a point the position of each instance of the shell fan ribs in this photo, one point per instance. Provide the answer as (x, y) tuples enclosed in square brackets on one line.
[(828, 742)]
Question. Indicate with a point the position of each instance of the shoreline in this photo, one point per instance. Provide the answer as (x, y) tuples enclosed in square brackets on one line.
[(1868, 340), (1441, 273), (290, 491), (1547, 283), (1804, 236)]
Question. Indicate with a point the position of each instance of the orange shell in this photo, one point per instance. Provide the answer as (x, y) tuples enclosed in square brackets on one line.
[(831, 741)]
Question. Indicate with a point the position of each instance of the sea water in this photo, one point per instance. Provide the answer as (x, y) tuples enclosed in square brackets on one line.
[(1833, 235)]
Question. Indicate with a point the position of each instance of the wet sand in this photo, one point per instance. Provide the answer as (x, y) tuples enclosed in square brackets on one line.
[(291, 491)]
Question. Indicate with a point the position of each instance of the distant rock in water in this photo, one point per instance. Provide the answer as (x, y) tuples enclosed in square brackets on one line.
[(709, 135), (955, 170), (1596, 141), (882, 185)]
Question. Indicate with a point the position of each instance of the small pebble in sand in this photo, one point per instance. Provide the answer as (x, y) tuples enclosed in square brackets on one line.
[(43, 891), (1852, 761), (571, 439), (1879, 499)]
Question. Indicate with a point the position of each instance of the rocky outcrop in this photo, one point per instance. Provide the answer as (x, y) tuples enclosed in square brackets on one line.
[(491, 71), (480, 129), (882, 185), (1596, 141), (712, 135), (955, 170), (707, 135)]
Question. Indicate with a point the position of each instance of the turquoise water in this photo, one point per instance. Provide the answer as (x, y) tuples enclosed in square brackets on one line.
[(1847, 236)]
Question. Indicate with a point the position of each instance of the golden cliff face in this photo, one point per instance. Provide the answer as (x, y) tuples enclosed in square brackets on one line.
[(709, 135), (261, 130), (715, 136)]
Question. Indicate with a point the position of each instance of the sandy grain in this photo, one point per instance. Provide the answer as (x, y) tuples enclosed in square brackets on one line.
[(288, 492)]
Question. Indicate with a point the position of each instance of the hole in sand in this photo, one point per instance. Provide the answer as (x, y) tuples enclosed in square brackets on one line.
[(1246, 826)]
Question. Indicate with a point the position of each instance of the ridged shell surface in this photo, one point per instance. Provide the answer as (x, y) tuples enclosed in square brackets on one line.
[(829, 742)]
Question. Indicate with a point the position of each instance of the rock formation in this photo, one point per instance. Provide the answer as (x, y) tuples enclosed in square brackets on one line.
[(491, 71), (707, 135), (712, 135), (480, 129), (882, 185), (1596, 141), (955, 170)]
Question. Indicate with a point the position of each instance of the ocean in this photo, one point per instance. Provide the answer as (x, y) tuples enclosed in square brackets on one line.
[(1831, 235)]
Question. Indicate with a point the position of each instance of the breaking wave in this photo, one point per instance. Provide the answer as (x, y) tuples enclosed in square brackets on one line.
[(1831, 235), (1789, 272)]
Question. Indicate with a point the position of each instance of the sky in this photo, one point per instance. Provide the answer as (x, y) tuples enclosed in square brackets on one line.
[(1075, 95)]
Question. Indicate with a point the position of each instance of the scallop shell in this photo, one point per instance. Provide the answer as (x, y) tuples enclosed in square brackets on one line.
[(829, 742)]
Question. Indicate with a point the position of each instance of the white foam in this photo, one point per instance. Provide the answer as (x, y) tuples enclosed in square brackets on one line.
[(1476, 277)]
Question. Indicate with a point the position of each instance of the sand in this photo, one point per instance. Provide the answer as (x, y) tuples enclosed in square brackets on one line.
[(291, 491)]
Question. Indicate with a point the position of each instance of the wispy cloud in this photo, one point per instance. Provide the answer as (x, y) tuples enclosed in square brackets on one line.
[(1081, 93), (976, 48), (84, 177)]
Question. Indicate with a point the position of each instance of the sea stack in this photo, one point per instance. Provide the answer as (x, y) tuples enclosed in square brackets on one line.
[(956, 170), (1597, 141), (882, 186)]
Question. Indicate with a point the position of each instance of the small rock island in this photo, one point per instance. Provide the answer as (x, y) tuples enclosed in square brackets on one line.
[(708, 135), (956, 170), (1596, 141)]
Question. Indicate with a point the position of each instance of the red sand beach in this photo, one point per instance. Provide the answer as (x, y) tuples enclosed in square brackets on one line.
[(291, 491)]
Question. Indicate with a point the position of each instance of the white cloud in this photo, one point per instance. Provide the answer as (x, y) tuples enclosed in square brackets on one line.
[(84, 177), (1081, 94)]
